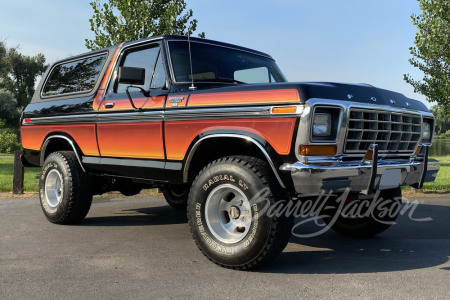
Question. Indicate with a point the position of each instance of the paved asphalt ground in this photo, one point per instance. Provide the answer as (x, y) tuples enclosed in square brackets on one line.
[(139, 248)]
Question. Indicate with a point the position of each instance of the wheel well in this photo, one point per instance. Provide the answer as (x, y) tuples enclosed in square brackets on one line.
[(55, 144), (214, 148)]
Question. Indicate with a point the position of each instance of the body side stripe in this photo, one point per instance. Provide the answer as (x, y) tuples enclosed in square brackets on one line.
[(245, 97), (277, 132)]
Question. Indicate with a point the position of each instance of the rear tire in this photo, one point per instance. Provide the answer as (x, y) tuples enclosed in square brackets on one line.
[(64, 189), (375, 221), (129, 188), (227, 224), (176, 196)]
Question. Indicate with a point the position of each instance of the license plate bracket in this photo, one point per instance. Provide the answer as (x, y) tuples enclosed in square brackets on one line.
[(390, 179)]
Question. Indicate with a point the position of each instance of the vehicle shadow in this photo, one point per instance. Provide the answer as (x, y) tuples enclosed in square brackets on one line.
[(406, 245), (158, 215)]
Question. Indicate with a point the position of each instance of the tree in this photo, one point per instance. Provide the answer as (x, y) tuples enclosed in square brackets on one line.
[(431, 53), (125, 20), (9, 116), (3, 59), (18, 73), (8, 108), (442, 119)]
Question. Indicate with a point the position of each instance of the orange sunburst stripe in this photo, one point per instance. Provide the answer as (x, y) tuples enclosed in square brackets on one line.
[(84, 134), (135, 140), (180, 134), (245, 97)]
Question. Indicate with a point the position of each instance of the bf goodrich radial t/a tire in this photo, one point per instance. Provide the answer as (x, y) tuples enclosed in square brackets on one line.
[(176, 196), (372, 221), (64, 189), (226, 213)]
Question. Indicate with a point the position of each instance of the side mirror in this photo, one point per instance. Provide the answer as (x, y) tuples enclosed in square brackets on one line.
[(131, 75)]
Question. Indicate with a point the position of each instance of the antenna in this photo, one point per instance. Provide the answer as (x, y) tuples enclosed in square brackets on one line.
[(192, 87)]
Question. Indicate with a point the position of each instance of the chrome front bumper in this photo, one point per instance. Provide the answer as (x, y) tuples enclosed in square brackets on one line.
[(363, 176)]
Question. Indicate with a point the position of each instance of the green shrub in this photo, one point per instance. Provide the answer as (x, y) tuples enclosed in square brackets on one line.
[(445, 135), (8, 141)]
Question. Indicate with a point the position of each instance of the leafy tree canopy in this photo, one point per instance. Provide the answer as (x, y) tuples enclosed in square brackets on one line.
[(8, 108), (442, 119), (18, 73), (125, 20), (431, 53)]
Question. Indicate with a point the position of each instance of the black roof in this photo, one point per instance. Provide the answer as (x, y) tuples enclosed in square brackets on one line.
[(167, 38), (196, 39)]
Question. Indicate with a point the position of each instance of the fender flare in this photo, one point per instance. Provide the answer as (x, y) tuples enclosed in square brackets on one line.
[(230, 135), (70, 141)]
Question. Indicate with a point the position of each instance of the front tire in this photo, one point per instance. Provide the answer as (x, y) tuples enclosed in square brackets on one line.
[(228, 222), (64, 190)]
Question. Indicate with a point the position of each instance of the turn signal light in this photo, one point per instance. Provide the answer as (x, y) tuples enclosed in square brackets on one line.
[(310, 150), (368, 155), (284, 110), (418, 150)]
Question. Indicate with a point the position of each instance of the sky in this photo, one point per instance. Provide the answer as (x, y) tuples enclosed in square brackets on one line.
[(353, 41)]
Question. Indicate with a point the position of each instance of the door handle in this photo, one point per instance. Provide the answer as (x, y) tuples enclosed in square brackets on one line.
[(109, 105)]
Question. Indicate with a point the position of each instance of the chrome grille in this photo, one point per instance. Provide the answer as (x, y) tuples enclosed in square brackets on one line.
[(393, 132)]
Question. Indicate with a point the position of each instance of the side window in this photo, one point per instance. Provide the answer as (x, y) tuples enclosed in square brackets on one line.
[(142, 58), (272, 79), (77, 76), (255, 75), (159, 76)]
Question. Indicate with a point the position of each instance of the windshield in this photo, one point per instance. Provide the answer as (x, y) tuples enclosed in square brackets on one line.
[(212, 63)]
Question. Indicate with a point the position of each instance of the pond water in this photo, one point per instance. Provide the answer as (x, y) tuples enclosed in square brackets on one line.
[(440, 147)]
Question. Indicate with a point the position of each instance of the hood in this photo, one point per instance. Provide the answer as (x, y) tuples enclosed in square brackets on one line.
[(362, 93), (359, 93)]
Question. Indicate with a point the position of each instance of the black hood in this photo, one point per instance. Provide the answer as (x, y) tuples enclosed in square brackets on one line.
[(362, 93)]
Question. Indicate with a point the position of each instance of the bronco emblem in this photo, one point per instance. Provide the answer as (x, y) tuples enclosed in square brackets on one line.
[(175, 100)]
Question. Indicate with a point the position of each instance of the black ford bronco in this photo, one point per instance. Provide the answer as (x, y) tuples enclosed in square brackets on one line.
[(221, 132)]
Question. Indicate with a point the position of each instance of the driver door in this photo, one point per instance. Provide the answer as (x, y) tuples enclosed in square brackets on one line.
[(125, 134)]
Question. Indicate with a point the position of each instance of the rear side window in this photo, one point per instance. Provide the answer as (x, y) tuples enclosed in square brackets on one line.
[(77, 76)]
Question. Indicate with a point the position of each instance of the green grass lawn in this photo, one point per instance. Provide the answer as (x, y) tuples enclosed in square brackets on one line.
[(442, 182), (31, 184)]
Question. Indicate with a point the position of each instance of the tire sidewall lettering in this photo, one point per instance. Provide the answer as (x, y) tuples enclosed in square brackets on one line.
[(218, 178), (51, 165), (248, 184)]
